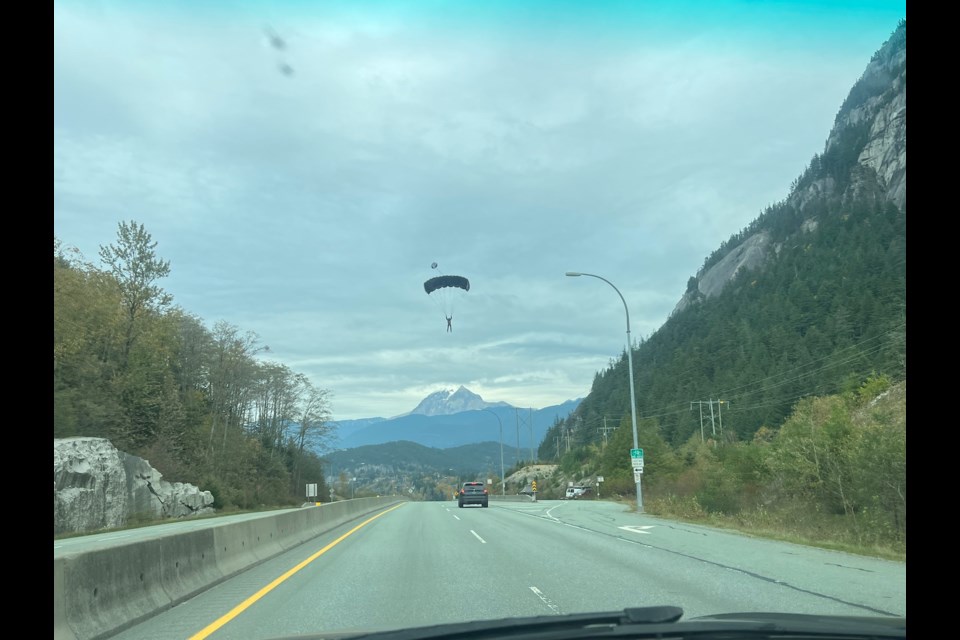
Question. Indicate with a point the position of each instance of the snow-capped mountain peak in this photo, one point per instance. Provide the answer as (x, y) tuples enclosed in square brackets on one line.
[(450, 401)]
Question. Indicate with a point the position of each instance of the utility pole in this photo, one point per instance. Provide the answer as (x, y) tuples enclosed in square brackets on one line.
[(518, 432), (532, 457), (713, 419), (700, 404), (604, 429), (719, 417), (529, 422), (713, 426)]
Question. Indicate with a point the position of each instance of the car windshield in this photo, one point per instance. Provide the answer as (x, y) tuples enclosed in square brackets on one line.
[(572, 307)]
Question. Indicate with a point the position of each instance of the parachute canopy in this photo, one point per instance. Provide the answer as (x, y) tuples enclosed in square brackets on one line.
[(441, 282)]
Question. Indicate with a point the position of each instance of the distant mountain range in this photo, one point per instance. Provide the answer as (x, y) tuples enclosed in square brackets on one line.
[(402, 458), (451, 418)]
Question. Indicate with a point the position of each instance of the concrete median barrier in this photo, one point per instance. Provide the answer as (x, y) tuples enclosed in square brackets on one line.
[(521, 497), (101, 592)]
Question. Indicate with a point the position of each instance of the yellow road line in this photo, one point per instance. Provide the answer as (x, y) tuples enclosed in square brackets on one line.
[(243, 606)]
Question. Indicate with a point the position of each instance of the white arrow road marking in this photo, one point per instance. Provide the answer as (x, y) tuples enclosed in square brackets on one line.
[(546, 600), (639, 528), (478, 537)]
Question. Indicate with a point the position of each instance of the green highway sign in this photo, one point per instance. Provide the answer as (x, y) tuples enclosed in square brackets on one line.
[(636, 453)]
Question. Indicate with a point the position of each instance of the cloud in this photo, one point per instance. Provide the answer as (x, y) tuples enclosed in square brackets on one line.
[(308, 208)]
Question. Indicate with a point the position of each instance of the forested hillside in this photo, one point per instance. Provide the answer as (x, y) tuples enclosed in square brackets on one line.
[(822, 317), (199, 405), (802, 342)]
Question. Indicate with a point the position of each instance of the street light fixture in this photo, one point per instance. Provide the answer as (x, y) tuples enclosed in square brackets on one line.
[(503, 488), (633, 400)]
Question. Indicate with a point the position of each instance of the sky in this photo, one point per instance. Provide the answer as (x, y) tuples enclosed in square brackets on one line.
[(302, 165)]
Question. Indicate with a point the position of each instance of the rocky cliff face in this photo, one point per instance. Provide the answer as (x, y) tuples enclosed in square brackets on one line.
[(885, 113), (96, 486), (870, 127)]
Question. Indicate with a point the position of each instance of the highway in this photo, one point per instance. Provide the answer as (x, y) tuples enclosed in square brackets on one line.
[(420, 563)]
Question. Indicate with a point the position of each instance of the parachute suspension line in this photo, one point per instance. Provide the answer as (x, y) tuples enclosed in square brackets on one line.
[(444, 290), (437, 299), (442, 299)]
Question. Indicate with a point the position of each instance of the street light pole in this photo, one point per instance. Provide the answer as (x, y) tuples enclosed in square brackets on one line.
[(503, 488), (633, 399)]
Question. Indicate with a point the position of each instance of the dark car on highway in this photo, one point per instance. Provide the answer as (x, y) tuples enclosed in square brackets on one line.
[(473, 493)]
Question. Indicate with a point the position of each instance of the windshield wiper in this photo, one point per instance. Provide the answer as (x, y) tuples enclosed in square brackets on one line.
[(657, 622), (535, 626)]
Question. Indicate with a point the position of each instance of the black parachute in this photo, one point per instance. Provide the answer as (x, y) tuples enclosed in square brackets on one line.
[(444, 291), (441, 282)]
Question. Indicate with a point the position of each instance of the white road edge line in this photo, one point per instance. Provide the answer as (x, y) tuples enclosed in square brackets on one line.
[(478, 537)]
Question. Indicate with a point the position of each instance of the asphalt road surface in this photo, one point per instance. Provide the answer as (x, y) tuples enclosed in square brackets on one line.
[(423, 563)]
